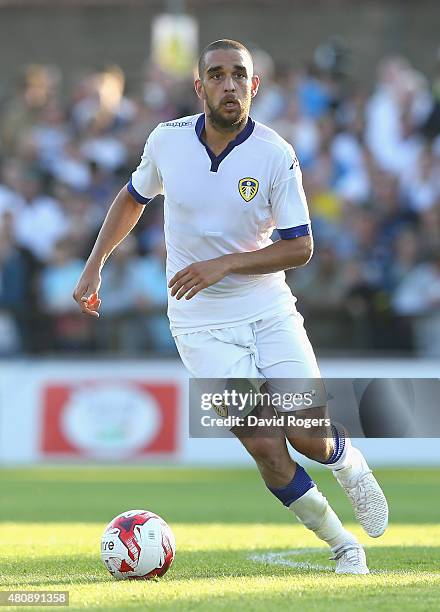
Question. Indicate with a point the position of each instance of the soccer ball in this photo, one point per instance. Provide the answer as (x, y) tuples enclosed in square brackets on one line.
[(137, 544)]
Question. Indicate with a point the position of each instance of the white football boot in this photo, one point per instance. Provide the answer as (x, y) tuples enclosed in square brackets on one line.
[(366, 496), (350, 559)]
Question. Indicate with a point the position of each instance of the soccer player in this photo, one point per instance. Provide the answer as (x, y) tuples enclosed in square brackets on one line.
[(228, 183)]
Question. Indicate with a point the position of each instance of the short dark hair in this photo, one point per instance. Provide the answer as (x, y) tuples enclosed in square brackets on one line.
[(224, 43)]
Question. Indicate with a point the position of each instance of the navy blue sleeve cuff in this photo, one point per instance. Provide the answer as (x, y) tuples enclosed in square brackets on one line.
[(136, 195), (295, 232)]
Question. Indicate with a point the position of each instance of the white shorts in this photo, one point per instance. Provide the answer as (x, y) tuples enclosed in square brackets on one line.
[(268, 349)]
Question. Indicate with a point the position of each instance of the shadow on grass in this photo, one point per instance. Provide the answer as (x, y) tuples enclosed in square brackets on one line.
[(190, 565)]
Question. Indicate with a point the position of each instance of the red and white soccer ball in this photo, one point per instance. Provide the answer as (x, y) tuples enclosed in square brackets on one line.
[(137, 544)]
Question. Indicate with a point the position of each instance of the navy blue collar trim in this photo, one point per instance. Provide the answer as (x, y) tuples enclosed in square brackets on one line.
[(216, 160)]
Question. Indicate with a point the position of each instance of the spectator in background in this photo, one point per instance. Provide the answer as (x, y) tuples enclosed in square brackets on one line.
[(103, 148), (386, 200), (429, 228), (14, 289), (431, 127), (419, 295), (50, 134), (39, 84), (82, 216), (69, 331), (296, 127), (314, 92), (70, 167), (371, 255), (134, 298), (420, 184), (98, 99), (40, 221), (117, 329), (103, 187), (57, 276), (349, 153), (406, 254), (398, 106), (150, 227), (151, 294), (10, 180), (271, 105), (321, 289), (324, 288), (119, 280)]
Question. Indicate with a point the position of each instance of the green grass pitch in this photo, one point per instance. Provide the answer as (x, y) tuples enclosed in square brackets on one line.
[(237, 547)]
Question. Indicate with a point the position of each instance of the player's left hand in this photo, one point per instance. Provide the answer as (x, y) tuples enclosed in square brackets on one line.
[(192, 279)]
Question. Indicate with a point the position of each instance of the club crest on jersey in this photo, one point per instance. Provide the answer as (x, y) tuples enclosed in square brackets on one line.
[(221, 409), (248, 188)]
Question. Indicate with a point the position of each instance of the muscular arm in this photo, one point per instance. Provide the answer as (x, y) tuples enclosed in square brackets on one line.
[(281, 255), (121, 218)]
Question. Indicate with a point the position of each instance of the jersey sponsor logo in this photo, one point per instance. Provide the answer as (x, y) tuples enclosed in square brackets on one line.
[(177, 124), (248, 188)]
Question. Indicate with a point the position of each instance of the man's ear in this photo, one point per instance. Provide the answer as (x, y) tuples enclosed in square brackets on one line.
[(255, 85), (198, 86)]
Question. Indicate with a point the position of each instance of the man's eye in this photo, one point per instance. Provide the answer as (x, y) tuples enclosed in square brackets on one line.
[(216, 76)]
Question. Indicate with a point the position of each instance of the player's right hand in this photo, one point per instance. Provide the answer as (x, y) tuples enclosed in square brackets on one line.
[(86, 293)]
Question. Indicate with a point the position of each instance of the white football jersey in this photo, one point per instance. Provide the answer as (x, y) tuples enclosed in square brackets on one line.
[(215, 205)]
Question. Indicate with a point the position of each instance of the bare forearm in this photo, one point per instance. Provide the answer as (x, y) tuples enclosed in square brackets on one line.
[(121, 218), (281, 255)]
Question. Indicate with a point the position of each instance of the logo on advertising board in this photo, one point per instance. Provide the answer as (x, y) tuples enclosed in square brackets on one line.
[(109, 419)]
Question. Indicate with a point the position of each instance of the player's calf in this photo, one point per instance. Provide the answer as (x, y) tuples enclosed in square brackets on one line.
[(272, 459), (315, 442), (316, 448)]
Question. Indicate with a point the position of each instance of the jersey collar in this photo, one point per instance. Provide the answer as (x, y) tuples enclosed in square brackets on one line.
[(216, 160)]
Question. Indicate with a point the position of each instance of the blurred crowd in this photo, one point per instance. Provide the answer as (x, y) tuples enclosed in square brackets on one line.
[(370, 159)]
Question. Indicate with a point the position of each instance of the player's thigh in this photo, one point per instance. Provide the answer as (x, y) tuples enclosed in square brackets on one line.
[(287, 361), (223, 363), (284, 349), (224, 353), (293, 379)]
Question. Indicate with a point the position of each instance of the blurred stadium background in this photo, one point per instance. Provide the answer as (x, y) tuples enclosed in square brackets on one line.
[(355, 87)]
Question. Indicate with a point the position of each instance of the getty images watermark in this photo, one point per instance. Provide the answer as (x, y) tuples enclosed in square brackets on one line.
[(365, 407), (232, 409), (263, 407)]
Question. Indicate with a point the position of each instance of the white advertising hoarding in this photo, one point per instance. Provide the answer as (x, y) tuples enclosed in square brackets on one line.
[(137, 412)]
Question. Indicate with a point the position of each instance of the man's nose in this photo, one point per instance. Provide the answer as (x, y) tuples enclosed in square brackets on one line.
[(229, 84)]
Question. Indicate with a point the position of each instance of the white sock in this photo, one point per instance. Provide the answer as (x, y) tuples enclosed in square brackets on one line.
[(344, 460), (314, 512), (353, 467), (350, 458)]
